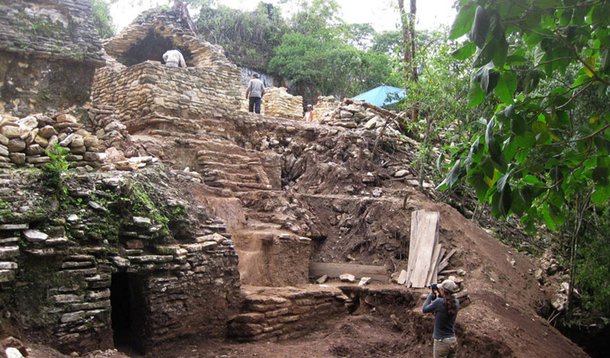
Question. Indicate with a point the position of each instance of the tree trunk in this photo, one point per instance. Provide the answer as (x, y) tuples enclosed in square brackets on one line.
[(408, 35)]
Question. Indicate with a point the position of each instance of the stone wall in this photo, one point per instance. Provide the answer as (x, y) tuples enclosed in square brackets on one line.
[(61, 261), (151, 95), (50, 29), (156, 31), (268, 259), (324, 107), (37, 39), (284, 314), (25, 141), (279, 103)]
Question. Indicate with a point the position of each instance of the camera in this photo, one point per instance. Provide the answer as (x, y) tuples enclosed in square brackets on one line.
[(434, 287)]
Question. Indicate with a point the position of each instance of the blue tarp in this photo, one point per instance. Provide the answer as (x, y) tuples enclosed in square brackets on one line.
[(382, 95)]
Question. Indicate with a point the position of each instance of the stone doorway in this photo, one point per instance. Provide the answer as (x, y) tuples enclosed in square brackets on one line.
[(128, 312)]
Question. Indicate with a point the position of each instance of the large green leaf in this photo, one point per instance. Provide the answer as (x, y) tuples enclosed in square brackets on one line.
[(489, 79), (480, 27), (507, 85), (463, 21), (465, 51), (477, 180), (475, 94), (453, 176)]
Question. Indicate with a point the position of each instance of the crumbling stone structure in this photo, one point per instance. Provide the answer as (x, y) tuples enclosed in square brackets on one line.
[(281, 104), (38, 39), (114, 260), (27, 140)]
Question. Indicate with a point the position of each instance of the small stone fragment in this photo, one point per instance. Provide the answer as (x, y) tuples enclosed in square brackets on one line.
[(35, 235), (346, 277)]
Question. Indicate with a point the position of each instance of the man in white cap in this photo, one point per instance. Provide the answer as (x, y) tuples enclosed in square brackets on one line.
[(445, 309), (173, 58)]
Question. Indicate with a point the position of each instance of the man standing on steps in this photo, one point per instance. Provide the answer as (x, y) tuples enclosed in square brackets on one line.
[(254, 93), (173, 58)]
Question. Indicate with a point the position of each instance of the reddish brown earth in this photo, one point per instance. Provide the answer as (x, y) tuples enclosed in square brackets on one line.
[(500, 321)]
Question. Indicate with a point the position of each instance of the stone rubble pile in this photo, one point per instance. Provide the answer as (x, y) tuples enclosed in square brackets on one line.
[(24, 141), (359, 114), (107, 126), (285, 315), (325, 106), (279, 103)]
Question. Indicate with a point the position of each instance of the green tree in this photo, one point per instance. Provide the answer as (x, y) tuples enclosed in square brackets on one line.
[(247, 37), (544, 154), (102, 19)]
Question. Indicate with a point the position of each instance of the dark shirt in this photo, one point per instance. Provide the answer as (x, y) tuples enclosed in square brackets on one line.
[(444, 324)]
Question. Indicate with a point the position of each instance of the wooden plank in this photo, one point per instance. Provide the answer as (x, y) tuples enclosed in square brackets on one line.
[(436, 263), (317, 269), (430, 274), (412, 247), (445, 261), (426, 231)]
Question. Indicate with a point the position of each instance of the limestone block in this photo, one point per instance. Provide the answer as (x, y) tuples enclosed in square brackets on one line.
[(34, 149), (8, 265), (38, 160), (43, 142), (67, 298), (18, 158), (346, 277), (16, 145), (78, 150), (12, 227), (3, 139), (47, 132), (66, 118), (10, 132), (8, 252)]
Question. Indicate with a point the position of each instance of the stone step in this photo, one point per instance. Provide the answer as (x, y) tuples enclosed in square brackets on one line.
[(222, 147), (204, 155), (226, 167), (235, 177), (238, 186)]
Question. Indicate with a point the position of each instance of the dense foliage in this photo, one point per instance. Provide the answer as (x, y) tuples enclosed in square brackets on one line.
[(247, 37), (544, 154)]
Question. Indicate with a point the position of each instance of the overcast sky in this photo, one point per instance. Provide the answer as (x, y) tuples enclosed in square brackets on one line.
[(382, 14)]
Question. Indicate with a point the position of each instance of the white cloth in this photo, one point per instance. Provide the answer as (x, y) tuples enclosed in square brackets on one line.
[(13, 353), (173, 58)]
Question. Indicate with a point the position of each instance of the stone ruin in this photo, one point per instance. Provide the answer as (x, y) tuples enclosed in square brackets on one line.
[(38, 40), (182, 214)]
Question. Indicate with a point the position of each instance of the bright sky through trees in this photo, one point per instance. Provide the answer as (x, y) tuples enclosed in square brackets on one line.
[(382, 14)]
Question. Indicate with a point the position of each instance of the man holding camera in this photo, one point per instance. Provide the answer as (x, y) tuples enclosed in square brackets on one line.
[(445, 308)]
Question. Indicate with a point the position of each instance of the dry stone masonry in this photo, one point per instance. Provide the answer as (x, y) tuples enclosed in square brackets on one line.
[(286, 313), (38, 39), (25, 141), (279, 103), (71, 276)]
